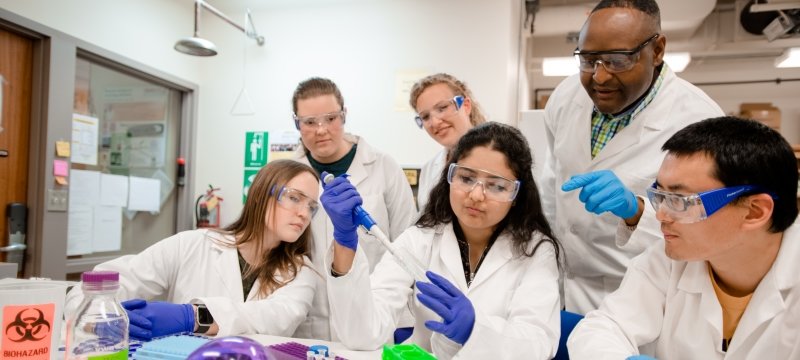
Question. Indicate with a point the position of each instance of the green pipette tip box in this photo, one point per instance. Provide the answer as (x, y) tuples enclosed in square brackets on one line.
[(405, 352)]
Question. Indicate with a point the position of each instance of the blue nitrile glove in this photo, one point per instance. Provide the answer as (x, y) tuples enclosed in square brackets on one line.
[(603, 191), (158, 318), (444, 298), (113, 330), (640, 357), (339, 198)]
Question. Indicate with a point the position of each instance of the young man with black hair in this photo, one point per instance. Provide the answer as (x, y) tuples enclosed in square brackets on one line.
[(724, 282)]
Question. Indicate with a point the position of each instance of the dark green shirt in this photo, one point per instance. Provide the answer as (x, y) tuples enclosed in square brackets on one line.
[(337, 167)]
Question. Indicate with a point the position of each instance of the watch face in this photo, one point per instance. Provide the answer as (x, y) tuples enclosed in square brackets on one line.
[(204, 316)]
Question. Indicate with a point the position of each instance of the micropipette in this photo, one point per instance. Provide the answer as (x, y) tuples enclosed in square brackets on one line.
[(403, 257)]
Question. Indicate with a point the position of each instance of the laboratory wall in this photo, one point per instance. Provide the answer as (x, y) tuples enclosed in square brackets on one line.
[(369, 48), (366, 47)]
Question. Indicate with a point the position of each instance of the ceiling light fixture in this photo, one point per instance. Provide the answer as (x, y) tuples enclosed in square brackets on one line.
[(198, 46), (559, 66), (789, 58), (677, 61)]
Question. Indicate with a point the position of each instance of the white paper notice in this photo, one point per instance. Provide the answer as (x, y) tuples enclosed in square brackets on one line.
[(107, 228), (113, 190), (79, 230), (84, 195), (144, 194), (84, 139)]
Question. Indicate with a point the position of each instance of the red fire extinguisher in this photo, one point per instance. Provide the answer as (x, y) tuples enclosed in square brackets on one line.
[(207, 209)]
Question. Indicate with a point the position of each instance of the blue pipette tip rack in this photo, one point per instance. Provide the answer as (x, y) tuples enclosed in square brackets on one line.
[(168, 348)]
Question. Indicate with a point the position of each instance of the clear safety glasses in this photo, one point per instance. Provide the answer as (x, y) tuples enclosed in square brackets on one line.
[(688, 209), (443, 109), (495, 187), (311, 122), (294, 200), (614, 61)]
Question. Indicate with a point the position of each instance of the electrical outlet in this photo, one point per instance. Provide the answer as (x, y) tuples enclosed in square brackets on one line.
[(57, 200)]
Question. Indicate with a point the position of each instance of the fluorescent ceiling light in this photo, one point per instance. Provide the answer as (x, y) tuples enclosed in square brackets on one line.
[(677, 61), (566, 66), (789, 58), (559, 66)]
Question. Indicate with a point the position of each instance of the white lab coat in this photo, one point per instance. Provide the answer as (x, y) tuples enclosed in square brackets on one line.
[(515, 299), (387, 198), (673, 304), (429, 176), (196, 267), (595, 264)]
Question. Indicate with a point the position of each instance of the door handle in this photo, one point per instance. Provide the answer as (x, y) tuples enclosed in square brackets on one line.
[(13, 247), (16, 224)]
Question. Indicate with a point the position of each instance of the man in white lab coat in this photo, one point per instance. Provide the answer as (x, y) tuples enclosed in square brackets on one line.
[(605, 126), (724, 282)]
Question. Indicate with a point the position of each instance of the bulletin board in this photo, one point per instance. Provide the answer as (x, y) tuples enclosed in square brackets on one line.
[(122, 164)]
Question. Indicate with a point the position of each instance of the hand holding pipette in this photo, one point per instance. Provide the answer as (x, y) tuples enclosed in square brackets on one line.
[(343, 205)]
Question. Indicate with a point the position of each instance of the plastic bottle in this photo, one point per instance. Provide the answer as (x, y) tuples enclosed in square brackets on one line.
[(99, 328)]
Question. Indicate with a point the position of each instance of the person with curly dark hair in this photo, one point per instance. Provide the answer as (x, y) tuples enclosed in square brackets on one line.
[(492, 286)]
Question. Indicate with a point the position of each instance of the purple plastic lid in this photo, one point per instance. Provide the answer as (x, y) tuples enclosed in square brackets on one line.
[(100, 276)]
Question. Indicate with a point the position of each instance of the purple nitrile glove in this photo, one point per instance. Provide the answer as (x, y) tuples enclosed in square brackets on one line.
[(444, 298), (158, 318), (339, 199), (603, 191)]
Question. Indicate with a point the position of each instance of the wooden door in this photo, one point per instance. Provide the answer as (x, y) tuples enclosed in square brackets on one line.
[(16, 65)]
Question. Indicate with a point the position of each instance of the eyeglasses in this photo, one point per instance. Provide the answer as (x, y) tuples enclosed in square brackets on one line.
[(495, 187), (614, 61), (310, 122), (443, 109), (294, 200), (688, 209)]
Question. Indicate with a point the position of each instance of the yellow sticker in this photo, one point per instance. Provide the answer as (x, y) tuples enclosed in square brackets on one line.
[(62, 148)]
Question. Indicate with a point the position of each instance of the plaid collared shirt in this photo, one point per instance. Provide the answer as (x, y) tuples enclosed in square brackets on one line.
[(605, 126)]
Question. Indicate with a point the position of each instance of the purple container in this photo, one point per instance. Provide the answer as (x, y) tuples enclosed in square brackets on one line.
[(100, 280), (230, 348)]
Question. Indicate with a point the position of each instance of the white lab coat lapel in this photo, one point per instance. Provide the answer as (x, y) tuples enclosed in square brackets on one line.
[(769, 293), (695, 281), (357, 170), (499, 254), (227, 267), (583, 108), (770, 303), (450, 255)]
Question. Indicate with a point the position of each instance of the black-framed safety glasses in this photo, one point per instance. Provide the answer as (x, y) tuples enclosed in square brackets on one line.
[(614, 61)]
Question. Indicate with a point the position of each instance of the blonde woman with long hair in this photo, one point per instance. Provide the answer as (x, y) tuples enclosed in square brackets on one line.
[(446, 109)]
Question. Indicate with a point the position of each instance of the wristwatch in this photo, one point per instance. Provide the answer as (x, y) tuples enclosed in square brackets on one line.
[(203, 319)]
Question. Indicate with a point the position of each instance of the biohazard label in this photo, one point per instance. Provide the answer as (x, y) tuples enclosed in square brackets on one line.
[(27, 331)]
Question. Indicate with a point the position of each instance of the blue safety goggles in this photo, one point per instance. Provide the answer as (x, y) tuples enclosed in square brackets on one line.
[(687, 209)]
